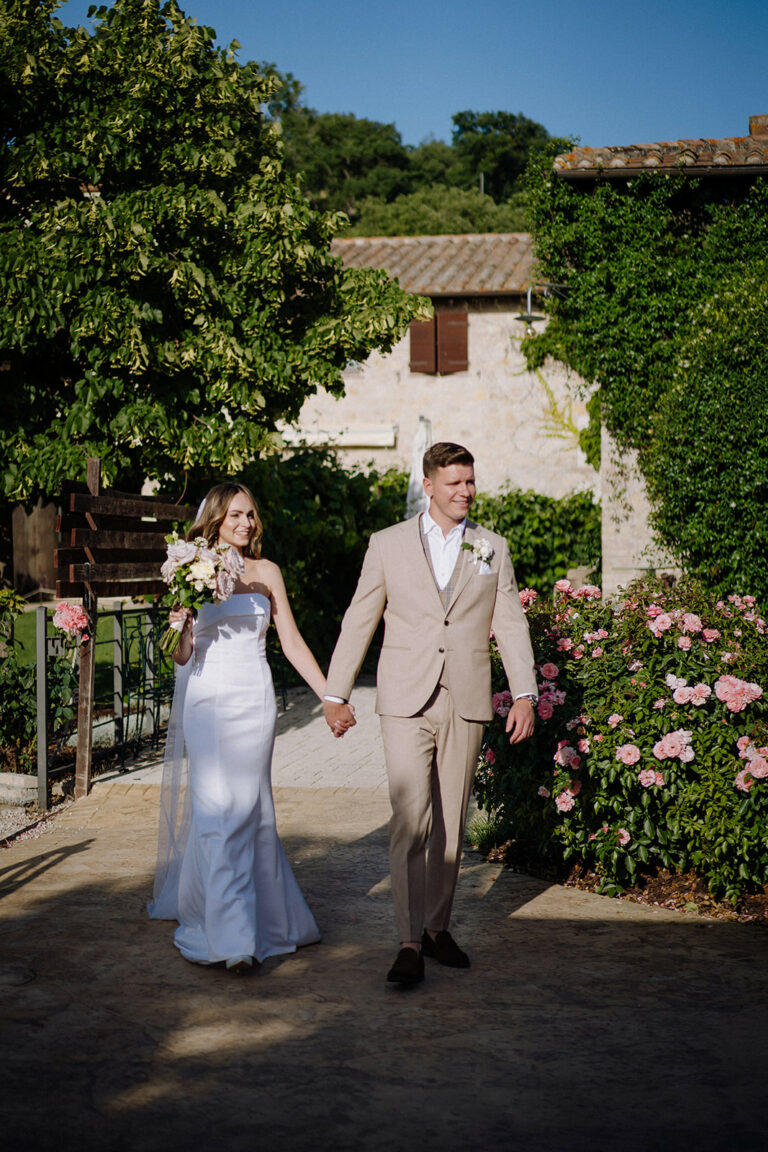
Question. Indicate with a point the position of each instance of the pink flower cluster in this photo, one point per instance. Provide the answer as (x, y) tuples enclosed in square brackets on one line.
[(735, 693), (648, 778), (71, 618), (746, 605), (756, 767), (528, 596), (502, 702), (550, 696), (688, 623), (567, 756), (675, 746), (683, 694)]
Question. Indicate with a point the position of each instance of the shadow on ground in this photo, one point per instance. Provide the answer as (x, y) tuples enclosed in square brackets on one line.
[(582, 1024)]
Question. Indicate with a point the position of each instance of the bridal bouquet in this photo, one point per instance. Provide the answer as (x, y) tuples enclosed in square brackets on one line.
[(196, 573)]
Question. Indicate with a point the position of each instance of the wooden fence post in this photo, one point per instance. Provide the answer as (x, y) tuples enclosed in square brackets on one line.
[(87, 667)]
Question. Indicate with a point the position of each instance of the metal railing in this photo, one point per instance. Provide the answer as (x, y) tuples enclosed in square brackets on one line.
[(134, 687)]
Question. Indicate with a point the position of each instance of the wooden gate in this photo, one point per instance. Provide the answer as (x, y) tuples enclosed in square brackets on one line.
[(111, 544)]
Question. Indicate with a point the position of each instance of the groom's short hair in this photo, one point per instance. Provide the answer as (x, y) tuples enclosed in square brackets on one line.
[(443, 454)]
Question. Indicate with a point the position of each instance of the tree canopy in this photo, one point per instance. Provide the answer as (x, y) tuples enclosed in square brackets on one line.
[(362, 167), (168, 293), (664, 307)]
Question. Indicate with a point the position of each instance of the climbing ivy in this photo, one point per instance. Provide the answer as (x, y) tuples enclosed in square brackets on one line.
[(664, 307)]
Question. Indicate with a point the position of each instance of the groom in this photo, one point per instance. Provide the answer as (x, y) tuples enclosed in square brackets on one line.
[(442, 584)]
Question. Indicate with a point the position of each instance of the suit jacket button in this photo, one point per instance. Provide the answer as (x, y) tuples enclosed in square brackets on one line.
[(441, 649), (446, 622)]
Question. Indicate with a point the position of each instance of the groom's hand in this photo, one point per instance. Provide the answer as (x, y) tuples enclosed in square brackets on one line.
[(521, 720), (338, 717)]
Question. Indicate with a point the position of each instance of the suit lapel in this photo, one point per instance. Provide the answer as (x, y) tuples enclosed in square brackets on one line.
[(423, 566)]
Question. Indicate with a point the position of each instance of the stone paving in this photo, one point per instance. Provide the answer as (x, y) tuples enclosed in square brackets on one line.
[(584, 1023)]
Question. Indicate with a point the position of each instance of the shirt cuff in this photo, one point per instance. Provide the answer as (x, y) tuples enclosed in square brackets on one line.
[(335, 699), (527, 696)]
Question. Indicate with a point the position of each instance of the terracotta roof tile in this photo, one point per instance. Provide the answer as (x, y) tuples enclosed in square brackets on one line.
[(492, 264), (741, 153)]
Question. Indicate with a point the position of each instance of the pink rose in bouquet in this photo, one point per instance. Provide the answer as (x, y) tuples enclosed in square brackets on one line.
[(197, 573)]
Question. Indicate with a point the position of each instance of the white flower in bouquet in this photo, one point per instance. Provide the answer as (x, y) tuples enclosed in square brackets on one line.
[(197, 573)]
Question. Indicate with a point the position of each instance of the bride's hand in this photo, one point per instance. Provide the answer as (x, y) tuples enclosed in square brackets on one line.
[(181, 616)]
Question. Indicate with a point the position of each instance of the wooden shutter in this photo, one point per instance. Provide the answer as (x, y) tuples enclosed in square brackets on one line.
[(452, 355), (423, 358)]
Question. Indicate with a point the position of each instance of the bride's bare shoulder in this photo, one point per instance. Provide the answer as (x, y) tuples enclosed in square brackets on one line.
[(262, 571)]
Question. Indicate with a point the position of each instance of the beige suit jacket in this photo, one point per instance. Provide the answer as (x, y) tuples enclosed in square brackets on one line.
[(424, 641)]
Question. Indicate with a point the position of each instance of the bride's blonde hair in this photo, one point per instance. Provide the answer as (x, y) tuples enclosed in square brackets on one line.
[(214, 508)]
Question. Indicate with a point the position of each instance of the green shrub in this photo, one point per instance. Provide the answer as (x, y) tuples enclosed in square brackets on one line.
[(652, 741), (18, 693), (546, 536)]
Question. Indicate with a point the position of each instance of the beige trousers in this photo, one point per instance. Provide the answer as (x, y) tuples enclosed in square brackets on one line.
[(431, 760)]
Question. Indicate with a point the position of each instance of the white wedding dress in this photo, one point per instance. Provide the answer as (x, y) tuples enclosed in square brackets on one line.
[(222, 872)]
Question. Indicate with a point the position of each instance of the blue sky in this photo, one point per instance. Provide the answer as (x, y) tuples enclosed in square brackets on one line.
[(607, 72)]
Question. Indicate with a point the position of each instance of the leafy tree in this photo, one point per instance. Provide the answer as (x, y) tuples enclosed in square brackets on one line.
[(343, 158), (496, 144), (665, 309), (438, 210), (167, 292)]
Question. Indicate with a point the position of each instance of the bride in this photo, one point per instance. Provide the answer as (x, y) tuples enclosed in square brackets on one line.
[(222, 872)]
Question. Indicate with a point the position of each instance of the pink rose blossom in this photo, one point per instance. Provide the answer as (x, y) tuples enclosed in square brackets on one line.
[(691, 622), (663, 622), (544, 709), (597, 651), (543, 791), (744, 780), (564, 644), (71, 618), (736, 694), (684, 642), (700, 693), (614, 719), (578, 652), (710, 635), (583, 745), (742, 744), (563, 586), (647, 777), (490, 756), (528, 596), (653, 610), (628, 753), (565, 801), (599, 738), (660, 703), (659, 780), (682, 695), (588, 592), (673, 681), (758, 766), (550, 671), (624, 836), (502, 702)]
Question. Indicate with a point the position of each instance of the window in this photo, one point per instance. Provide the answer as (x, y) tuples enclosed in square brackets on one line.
[(439, 345)]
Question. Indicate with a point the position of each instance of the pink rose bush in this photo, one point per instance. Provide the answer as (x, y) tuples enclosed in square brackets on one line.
[(655, 754)]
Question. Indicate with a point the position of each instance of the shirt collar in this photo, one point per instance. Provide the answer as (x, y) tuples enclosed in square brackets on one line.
[(428, 525)]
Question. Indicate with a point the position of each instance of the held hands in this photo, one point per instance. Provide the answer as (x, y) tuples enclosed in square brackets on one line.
[(338, 717), (521, 719)]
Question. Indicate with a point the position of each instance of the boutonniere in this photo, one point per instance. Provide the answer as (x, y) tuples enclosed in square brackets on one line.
[(482, 551)]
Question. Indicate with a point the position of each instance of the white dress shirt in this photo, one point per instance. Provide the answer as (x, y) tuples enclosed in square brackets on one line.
[(443, 550)]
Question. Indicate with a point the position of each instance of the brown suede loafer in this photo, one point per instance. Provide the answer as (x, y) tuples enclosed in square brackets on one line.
[(408, 967), (444, 949)]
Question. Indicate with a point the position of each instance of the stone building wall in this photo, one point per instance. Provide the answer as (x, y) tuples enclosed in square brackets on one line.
[(627, 539), (521, 426)]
